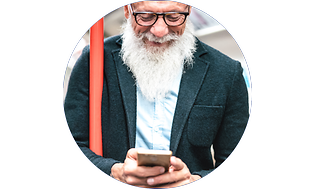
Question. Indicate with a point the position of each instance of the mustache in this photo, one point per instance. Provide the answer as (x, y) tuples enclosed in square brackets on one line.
[(151, 37)]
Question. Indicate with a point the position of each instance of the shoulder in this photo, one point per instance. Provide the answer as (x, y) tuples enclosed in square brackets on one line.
[(113, 42), (216, 59), (207, 52)]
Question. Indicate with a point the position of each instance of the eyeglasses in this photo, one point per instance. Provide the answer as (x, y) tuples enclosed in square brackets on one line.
[(150, 18)]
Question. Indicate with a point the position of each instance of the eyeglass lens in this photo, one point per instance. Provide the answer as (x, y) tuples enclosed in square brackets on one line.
[(172, 19)]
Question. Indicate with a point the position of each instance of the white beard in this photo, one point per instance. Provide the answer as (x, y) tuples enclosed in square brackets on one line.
[(155, 68)]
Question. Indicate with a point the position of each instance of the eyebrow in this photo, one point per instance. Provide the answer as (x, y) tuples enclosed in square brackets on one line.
[(172, 10)]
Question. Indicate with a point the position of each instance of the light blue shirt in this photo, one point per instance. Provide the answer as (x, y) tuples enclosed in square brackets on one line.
[(154, 119)]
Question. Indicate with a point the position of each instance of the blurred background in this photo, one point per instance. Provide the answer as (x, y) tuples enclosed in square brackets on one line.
[(207, 29)]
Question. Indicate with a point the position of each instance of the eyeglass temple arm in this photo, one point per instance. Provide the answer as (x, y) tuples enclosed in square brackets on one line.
[(130, 9)]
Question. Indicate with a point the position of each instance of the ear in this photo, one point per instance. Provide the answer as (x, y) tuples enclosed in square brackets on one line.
[(126, 11)]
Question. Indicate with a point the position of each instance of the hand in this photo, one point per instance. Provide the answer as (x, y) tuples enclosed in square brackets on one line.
[(178, 175), (130, 173)]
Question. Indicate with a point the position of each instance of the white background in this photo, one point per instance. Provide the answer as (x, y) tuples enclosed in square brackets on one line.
[(276, 38)]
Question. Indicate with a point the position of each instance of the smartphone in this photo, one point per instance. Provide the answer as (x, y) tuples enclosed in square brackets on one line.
[(154, 158)]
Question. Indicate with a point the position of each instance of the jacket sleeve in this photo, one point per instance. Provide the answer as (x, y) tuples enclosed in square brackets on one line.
[(234, 121), (76, 108)]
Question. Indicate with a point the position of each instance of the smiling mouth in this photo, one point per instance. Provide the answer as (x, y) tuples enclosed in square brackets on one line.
[(157, 44)]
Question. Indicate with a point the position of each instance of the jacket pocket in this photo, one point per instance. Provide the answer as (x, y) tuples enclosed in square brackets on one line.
[(203, 124)]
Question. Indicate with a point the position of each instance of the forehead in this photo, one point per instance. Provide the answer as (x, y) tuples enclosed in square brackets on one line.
[(159, 6)]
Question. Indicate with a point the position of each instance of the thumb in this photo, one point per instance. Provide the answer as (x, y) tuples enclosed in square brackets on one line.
[(176, 163), (132, 154)]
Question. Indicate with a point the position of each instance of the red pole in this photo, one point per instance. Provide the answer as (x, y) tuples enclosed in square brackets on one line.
[(96, 85)]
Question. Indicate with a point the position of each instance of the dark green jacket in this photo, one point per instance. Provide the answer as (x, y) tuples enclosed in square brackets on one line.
[(212, 108)]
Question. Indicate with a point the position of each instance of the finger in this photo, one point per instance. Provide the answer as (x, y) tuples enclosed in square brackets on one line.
[(177, 164), (131, 172), (132, 180), (132, 154), (179, 173), (140, 174), (170, 177), (143, 171), (172, 185), (131, 168)]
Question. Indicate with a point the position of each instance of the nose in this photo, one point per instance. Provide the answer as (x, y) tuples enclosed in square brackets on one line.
[(159, 29)]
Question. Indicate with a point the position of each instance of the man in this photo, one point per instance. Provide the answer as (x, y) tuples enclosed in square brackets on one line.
[(163, 89)]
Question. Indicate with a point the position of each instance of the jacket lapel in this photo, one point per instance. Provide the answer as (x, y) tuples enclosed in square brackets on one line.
[(128, 91), (191, 82)]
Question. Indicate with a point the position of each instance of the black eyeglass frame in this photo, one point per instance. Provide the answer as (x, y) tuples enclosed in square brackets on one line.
[(157, 16)]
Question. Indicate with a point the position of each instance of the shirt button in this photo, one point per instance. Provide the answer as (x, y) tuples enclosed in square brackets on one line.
[(156, 129)]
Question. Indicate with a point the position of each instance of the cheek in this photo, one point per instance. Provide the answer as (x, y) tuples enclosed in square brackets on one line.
[(182, 29), (139, 29), (179, 30), (135, 29)]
